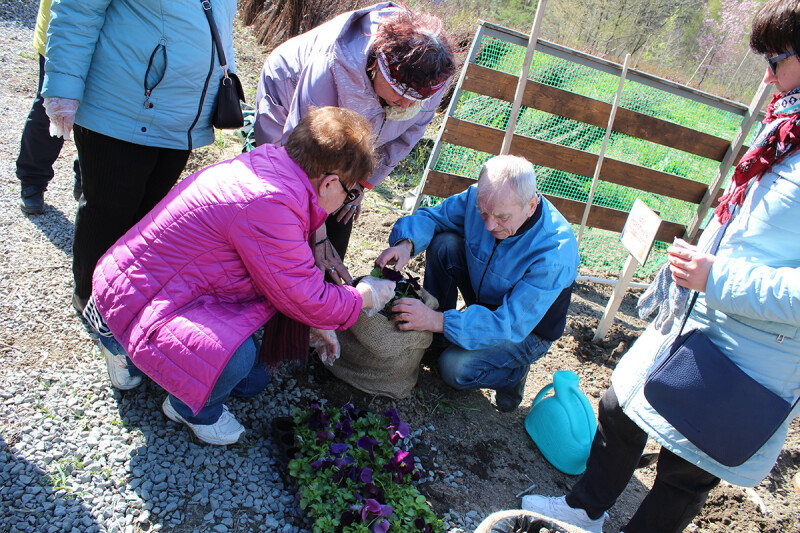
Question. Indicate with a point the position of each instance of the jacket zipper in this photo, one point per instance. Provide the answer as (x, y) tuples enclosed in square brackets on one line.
[(203, 95), (480, 285)]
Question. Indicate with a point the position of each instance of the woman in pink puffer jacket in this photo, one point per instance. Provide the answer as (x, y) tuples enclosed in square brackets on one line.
[(228, 248)]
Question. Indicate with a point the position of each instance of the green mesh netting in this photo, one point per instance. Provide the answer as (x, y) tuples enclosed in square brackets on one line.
[(600, 250)]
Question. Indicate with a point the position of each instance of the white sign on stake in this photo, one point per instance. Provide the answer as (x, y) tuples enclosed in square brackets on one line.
[(637, 236)]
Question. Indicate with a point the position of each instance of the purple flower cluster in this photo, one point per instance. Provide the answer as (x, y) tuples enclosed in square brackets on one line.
[(371, 507)]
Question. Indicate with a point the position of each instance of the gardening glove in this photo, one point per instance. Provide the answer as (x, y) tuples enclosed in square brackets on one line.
[(381, 290), (61, 112), (325, 343), (665, 295)]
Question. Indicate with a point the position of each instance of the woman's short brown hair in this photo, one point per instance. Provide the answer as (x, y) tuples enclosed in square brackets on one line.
[(775, 28), (336, 140), (418, 46)]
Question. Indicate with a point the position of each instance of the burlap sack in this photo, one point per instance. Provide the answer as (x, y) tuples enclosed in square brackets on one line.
[(380, 359), (519, 521)]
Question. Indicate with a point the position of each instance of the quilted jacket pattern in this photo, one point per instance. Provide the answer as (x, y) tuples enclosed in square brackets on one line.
[(210, 264)]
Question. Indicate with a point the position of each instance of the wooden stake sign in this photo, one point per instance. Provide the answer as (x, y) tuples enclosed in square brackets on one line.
[(637, 237)]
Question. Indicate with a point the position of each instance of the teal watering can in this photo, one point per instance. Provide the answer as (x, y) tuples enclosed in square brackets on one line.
[(563, 425)]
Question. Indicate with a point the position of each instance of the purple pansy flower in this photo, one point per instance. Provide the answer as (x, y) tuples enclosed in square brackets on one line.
[(422, 525), (344, 428), (338, 447), (368, 443), (401, 428), (318, 418), (402, 463), (365, 475)]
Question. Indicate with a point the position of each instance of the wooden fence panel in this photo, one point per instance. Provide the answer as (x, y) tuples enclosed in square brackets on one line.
[(443, 184), (556, 101), (564, 158)]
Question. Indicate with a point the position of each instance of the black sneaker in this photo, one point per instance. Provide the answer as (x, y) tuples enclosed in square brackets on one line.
[(509, 399), (33, 204)]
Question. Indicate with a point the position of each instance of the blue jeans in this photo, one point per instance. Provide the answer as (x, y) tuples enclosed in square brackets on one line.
[(243, 377), (498, 367)]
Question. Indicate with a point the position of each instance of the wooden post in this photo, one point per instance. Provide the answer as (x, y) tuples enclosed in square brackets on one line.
[(616, 298), (523, 77), (602, 153), (637, 237), (412, 201), (727, 162)]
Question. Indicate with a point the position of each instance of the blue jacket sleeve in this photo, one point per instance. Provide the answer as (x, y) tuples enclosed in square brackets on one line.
[(478, 327), (421, 227), (71, 39)]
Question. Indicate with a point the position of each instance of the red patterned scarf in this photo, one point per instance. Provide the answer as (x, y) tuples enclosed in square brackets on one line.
[(778, 139)]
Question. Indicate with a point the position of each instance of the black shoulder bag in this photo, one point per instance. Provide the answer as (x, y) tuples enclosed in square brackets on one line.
[(710, 400), (227, 110)]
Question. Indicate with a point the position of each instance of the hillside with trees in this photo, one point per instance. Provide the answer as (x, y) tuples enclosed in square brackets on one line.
[(703, 44)]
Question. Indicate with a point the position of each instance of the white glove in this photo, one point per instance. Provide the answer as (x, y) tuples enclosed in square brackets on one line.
[(326, 344), (61, 112), (381, 290)]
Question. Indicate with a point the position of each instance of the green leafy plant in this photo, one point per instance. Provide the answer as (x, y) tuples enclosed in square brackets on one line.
[(406, 286), (353, 474)]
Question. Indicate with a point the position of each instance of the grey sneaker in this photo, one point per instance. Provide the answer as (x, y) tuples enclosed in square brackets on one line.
[(558, 509), (226, 430), (118, 370)]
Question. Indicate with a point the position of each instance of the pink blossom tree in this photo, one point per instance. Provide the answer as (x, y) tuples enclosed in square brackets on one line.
[(723, 36)]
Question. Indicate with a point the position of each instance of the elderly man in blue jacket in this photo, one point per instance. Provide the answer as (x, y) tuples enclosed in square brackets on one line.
[(514, 258)]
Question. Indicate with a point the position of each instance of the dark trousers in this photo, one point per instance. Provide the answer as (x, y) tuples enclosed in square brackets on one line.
[(38, 150), (338, 234), (122, 182), (678, 494)]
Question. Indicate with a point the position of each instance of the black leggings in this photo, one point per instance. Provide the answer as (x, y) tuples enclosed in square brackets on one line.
[(122, 182), (679, 491)]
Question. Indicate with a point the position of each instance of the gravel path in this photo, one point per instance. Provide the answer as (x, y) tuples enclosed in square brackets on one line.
[(75, 454)]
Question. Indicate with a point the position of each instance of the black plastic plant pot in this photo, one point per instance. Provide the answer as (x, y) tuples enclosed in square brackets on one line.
[(283, 424)]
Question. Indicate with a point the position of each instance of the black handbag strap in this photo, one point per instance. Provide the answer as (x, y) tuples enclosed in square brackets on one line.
[(215, 34), (712, 250)]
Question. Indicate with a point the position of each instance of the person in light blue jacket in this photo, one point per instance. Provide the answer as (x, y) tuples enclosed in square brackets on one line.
[(514, 258), (748, 306), (139, 80)]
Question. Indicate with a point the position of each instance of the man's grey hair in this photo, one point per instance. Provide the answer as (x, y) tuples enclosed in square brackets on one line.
[(512, 170)]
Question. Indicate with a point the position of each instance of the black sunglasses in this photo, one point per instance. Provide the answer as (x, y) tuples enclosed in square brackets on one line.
[(773, 61), (352, 194)]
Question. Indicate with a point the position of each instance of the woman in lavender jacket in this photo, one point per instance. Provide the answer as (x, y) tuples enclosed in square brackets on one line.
[(384, 62)]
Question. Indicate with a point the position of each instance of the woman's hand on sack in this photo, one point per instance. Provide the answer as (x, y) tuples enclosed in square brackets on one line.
[(325, 343), (375, 293), (399, 255), (351, 210), (689, 267), (413, 315), (327, 260)]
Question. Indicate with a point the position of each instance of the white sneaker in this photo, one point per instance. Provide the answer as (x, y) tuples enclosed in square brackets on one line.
[(118, 370), (558, 509), (226, 430)]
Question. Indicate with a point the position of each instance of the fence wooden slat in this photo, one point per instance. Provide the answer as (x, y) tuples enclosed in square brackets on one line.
[(443, 185), (553, 100), (486, 139)]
